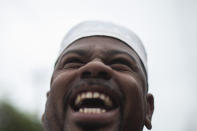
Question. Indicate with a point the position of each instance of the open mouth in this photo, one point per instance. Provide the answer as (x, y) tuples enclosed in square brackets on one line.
[(93, 102), (94, 106)]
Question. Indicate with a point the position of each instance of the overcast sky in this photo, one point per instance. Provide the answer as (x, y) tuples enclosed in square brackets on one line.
[(31, 32)]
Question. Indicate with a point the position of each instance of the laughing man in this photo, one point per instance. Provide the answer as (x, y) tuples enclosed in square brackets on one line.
[(99, 81)]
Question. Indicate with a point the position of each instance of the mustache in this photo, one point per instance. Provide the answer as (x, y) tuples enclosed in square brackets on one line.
[(84, 83), (92, 82), (79, 83)]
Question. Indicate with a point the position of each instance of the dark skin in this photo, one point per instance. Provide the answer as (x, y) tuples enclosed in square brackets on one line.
[(105, 65)]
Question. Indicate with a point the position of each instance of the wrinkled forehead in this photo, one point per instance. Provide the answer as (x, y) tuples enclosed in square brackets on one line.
[(98, 28), (100, 45), (97, 42)]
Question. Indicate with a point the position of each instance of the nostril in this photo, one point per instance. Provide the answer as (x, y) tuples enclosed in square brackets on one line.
[(100, 75), (86, 74), (103, 75)]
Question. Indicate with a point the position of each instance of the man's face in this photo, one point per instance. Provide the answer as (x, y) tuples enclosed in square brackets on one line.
[(98, 85)]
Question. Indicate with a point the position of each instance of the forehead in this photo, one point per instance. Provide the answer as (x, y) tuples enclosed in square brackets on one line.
[(100, 44)]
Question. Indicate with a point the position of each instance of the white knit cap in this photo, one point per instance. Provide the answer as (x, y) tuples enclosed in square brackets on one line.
[(100, 28)]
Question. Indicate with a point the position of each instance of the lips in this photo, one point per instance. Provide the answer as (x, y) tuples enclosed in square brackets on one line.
[(93, 103), (94, 97)]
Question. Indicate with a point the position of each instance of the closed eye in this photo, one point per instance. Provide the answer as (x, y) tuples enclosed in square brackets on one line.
[(72, 62), (121, 64), (120, 61)]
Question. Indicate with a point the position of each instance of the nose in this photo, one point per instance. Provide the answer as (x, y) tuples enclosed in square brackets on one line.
[(95, 69)]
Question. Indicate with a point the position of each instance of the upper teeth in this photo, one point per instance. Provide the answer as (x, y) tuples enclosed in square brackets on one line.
[(90, 95)]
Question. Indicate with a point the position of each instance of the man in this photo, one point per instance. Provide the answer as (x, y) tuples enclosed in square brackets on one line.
[(99, 82)]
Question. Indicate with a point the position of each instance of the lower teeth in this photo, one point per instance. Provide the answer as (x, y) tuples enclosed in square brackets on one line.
[(92, 110)]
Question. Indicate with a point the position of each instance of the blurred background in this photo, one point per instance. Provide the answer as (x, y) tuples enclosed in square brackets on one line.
[(30, 36)]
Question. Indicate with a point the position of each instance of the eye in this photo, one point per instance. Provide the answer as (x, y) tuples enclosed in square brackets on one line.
[(121, 64), (73, 60), (72, 63)]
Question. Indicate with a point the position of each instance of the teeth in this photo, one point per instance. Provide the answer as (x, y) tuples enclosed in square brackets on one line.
[(92, 110), (95, 95), (89, 95), (102, 96), (86, 110), (83, 95), (81, 110), (108, 101), (98, 110), (103, 110), (78, 100)]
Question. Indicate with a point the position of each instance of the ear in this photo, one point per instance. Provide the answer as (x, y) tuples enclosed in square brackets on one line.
[(43, 115), (48, 94), (42, 118), (149, 110)]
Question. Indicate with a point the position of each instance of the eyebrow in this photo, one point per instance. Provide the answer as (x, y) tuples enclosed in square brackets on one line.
[(77, 51), (115, 52), (81, 52)]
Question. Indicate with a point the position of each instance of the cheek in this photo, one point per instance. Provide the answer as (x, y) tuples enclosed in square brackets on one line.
[(61, 83), (59, 87), (130, 85), (133, 106)]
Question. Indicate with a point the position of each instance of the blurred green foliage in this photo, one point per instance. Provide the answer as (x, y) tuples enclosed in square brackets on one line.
[(12, 119)]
